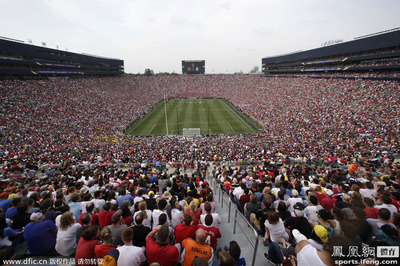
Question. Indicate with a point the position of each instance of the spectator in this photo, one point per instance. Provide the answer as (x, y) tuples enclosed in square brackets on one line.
[(212, 232), (161, 251), (146, 214), (140, 231), (275, 229), (66, 235), (116, 227), (85, 254), (370, 211), (102, 250), (162, 208), (105, 216), (129, 254), (298, 222), (215, 216), (186, 229), (86, 220), (40, 235), (196, 248)]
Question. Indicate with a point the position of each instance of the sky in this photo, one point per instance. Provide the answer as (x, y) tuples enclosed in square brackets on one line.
[(231, 36)]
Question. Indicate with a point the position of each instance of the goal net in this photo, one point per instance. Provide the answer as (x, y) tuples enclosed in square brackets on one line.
[(187, 132)]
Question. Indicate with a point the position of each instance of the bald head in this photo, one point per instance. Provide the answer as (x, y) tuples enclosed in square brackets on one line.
[(201, 236)]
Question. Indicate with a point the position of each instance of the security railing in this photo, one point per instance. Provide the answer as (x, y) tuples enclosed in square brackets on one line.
[(254, 245)]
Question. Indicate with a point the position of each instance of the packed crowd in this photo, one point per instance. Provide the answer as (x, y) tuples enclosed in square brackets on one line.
[(330, 217), (133, 219), (62, 140)]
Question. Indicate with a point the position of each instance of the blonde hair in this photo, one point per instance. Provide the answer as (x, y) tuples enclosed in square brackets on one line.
[(142, 207), (106, 235), (66, 220)]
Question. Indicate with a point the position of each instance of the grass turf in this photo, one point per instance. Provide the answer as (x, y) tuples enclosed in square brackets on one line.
[(212, 116)]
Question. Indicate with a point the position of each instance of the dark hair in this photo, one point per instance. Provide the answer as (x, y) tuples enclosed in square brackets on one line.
[(127, 234), (107, 206), (139, 218), (313, 200), (207, 207), (162, 219), (360, 213), (208, 219), (44, 204), (386, 199), (163, 233), (90, 233), (384, 214), (272, 217), (370, 202), (86, 218), (89, 207), (187, 218), (281, 206), (234, 250)]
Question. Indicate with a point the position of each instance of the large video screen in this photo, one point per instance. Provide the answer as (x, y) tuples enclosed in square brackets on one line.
[(193, 66)]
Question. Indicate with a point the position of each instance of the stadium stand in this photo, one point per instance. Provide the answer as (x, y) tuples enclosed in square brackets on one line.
[(20, 60), (324, 172), (376, 54)]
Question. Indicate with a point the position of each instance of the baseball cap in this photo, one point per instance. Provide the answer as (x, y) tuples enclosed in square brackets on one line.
[(298, 210), (298, 236), (321, 232), (36, 216)]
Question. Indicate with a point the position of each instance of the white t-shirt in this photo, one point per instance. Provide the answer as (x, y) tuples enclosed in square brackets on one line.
[(130, 255), (66, 240), (276, 230)]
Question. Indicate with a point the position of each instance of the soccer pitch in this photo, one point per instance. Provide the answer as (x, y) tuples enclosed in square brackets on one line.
[(211, 116)]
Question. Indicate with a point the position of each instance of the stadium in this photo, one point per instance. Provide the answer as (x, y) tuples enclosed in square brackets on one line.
[(76, 129)]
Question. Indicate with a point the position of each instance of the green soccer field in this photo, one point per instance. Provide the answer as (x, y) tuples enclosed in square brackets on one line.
[(211, 116)]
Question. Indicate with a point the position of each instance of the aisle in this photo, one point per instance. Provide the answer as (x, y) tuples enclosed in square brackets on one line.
[(227, 228)]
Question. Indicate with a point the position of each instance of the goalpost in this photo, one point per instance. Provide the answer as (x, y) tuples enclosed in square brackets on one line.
[(190, 132)]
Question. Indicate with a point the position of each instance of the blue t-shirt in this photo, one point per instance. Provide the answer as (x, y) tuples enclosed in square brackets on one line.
[(4, 205), (40, 237), (121, 199)]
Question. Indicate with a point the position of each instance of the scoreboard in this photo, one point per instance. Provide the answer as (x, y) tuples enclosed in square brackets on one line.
[(193, 66)]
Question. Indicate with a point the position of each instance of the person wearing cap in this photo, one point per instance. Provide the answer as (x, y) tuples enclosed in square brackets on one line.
[(151, 202), (298, 222), (116, 227), (328, 202), (325, 219), (40, 235), (293, 200)]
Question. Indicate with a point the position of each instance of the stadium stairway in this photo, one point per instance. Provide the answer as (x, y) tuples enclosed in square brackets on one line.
[(244, 234)]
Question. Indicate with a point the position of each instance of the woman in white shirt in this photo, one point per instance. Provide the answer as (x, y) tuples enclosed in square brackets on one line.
[(66, 235), (147, 214)]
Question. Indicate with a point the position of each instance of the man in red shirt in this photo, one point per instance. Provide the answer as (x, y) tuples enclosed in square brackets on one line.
[(161, 251), (186, 229), (370, 211), (105, 216), (212, 232)]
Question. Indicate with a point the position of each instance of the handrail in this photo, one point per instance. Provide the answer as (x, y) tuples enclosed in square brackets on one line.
[(254, 245), (228, 205)]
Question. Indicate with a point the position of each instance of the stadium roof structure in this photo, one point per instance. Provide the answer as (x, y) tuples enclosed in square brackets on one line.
[(382, 48), (20, 60)]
